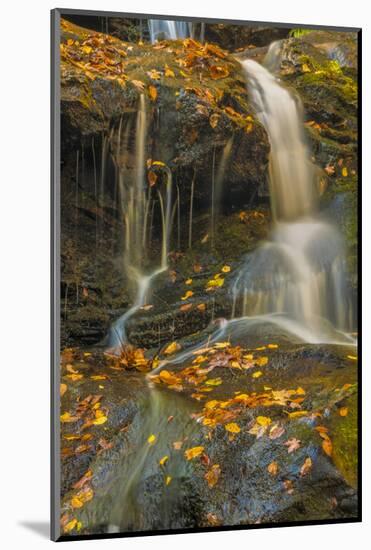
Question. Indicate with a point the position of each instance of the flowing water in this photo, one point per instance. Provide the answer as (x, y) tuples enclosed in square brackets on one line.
[(161, 29), (136, 204), (300, 271)]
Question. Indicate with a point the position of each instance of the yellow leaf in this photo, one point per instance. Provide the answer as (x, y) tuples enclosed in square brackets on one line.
[(70, 525), (193, 452), (63, 389), (71, 437), (214, 382), (305, 68), (298, 414), (214, 119), (158, 163), (188, 282), (343, 411), (171, 348), (221, 345), (263, 420), (100, 420), (300, 391), (233, 428), (352, 357), (74, 377), (201, 307), (163, 460), (272, 346), (261, 361), (344, 172), (66, 417), (98, 377), (273, 468), (151, 439), (226, 269), (257, 374), (260, 349), (168, 480), (87, 49), (76, 502), (187, 295)]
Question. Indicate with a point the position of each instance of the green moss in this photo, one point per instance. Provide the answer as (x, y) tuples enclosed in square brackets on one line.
[(343, 431)]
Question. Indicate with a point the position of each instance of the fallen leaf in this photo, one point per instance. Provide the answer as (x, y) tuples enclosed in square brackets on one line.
[(261, 361), (186, 307), (226, 269), (163, 460), (138, 84), (292, 444), (188, 282), (201, 307), (344, 172), (171, 348), (66, 417), (263, 420), (233, 428), (327, 446), (343, 411), (213, 120), (273, 468), (257, 374), (212, 476), (63, 389), (168, 480), (306, 467), (169, 72), (100, 420), (152, 91), (272, 346), (214, 382), (193, 452), (305, 68), (177, 445), (151, 439), (276, 431), (187, 295)]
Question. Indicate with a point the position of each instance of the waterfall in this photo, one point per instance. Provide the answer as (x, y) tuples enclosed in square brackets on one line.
[(300, 271), (137, 206), (161, 29)]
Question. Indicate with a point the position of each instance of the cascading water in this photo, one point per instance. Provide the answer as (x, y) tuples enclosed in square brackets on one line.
[(136, 204), (160, 29), (300, 271)]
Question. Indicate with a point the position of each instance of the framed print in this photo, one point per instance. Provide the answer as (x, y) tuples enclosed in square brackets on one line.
[(205, 282)]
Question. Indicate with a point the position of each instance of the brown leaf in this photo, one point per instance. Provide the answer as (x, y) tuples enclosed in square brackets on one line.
[(152, 91), (273, 468), (292, 444), (327, 446)]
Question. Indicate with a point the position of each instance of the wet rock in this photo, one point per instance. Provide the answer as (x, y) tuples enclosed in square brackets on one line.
[(234, 37)]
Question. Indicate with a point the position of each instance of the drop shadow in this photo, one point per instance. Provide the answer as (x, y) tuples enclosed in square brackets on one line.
[(41, 528)]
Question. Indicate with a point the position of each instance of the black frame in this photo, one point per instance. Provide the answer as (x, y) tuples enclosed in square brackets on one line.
[(55, 143)]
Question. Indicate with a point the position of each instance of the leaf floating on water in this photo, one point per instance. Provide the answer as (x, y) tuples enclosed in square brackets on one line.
[(212, 476), (306, 467), (273, 468), (187, 295), (151, 439), (233, 428), (172, 348), (194, 452)]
